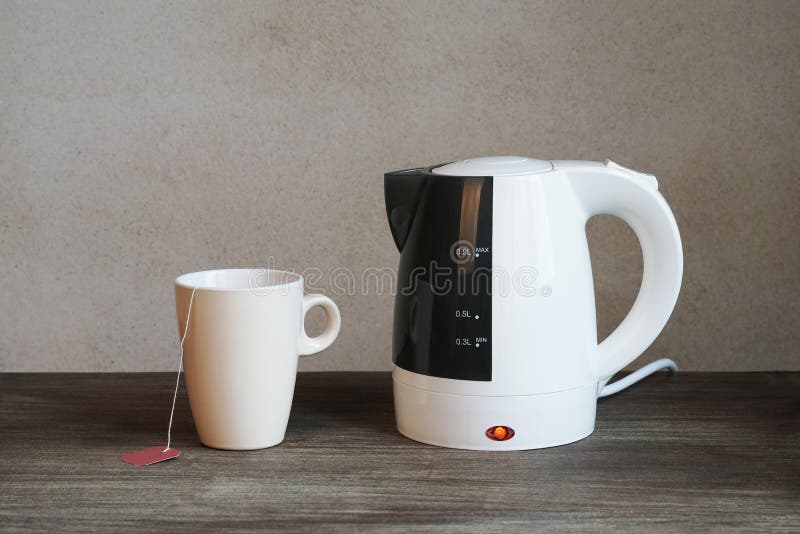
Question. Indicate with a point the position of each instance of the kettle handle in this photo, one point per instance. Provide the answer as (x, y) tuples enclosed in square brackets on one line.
[(634, 198)]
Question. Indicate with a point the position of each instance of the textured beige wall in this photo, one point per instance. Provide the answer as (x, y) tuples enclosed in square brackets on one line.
[(140, 140)]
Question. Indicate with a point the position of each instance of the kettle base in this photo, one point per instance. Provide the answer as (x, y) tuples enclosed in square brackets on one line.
[(509, 423)]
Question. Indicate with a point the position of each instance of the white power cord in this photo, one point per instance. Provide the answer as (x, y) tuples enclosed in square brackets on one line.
[(647, 370)]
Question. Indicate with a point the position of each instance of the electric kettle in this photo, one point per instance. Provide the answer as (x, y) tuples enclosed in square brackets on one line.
[(495, 334)]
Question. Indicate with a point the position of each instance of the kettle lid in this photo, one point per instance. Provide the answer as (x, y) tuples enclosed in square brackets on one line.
[(495, 166)]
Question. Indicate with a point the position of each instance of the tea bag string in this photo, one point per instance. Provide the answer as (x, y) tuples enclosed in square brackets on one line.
[(180, 368)]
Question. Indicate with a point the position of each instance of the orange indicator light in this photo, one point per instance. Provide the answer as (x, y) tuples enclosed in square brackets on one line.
[(500, 433)]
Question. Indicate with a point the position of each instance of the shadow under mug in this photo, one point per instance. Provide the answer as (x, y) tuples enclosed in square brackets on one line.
[(240, 354)]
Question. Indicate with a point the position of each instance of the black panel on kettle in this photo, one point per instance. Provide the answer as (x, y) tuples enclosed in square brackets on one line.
[(442, 226)]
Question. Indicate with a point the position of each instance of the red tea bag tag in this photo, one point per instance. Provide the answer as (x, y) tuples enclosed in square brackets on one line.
[(150, 456), (154, 455)]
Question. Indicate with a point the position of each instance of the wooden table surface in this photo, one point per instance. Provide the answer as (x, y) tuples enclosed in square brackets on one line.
[(686, 453)]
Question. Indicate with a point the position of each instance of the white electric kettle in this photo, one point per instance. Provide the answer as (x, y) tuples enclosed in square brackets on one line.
[(495, 334)]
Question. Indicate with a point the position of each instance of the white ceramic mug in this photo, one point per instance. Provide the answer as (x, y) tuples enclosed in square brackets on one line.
[(246, 332)]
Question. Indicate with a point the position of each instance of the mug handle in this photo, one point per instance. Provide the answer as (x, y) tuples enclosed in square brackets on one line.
[(312, 345)]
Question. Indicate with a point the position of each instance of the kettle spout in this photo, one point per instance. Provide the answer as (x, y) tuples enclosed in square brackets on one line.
[(403, 190)]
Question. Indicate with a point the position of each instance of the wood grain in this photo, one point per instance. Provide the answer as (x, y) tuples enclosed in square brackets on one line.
[(688, 453)]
